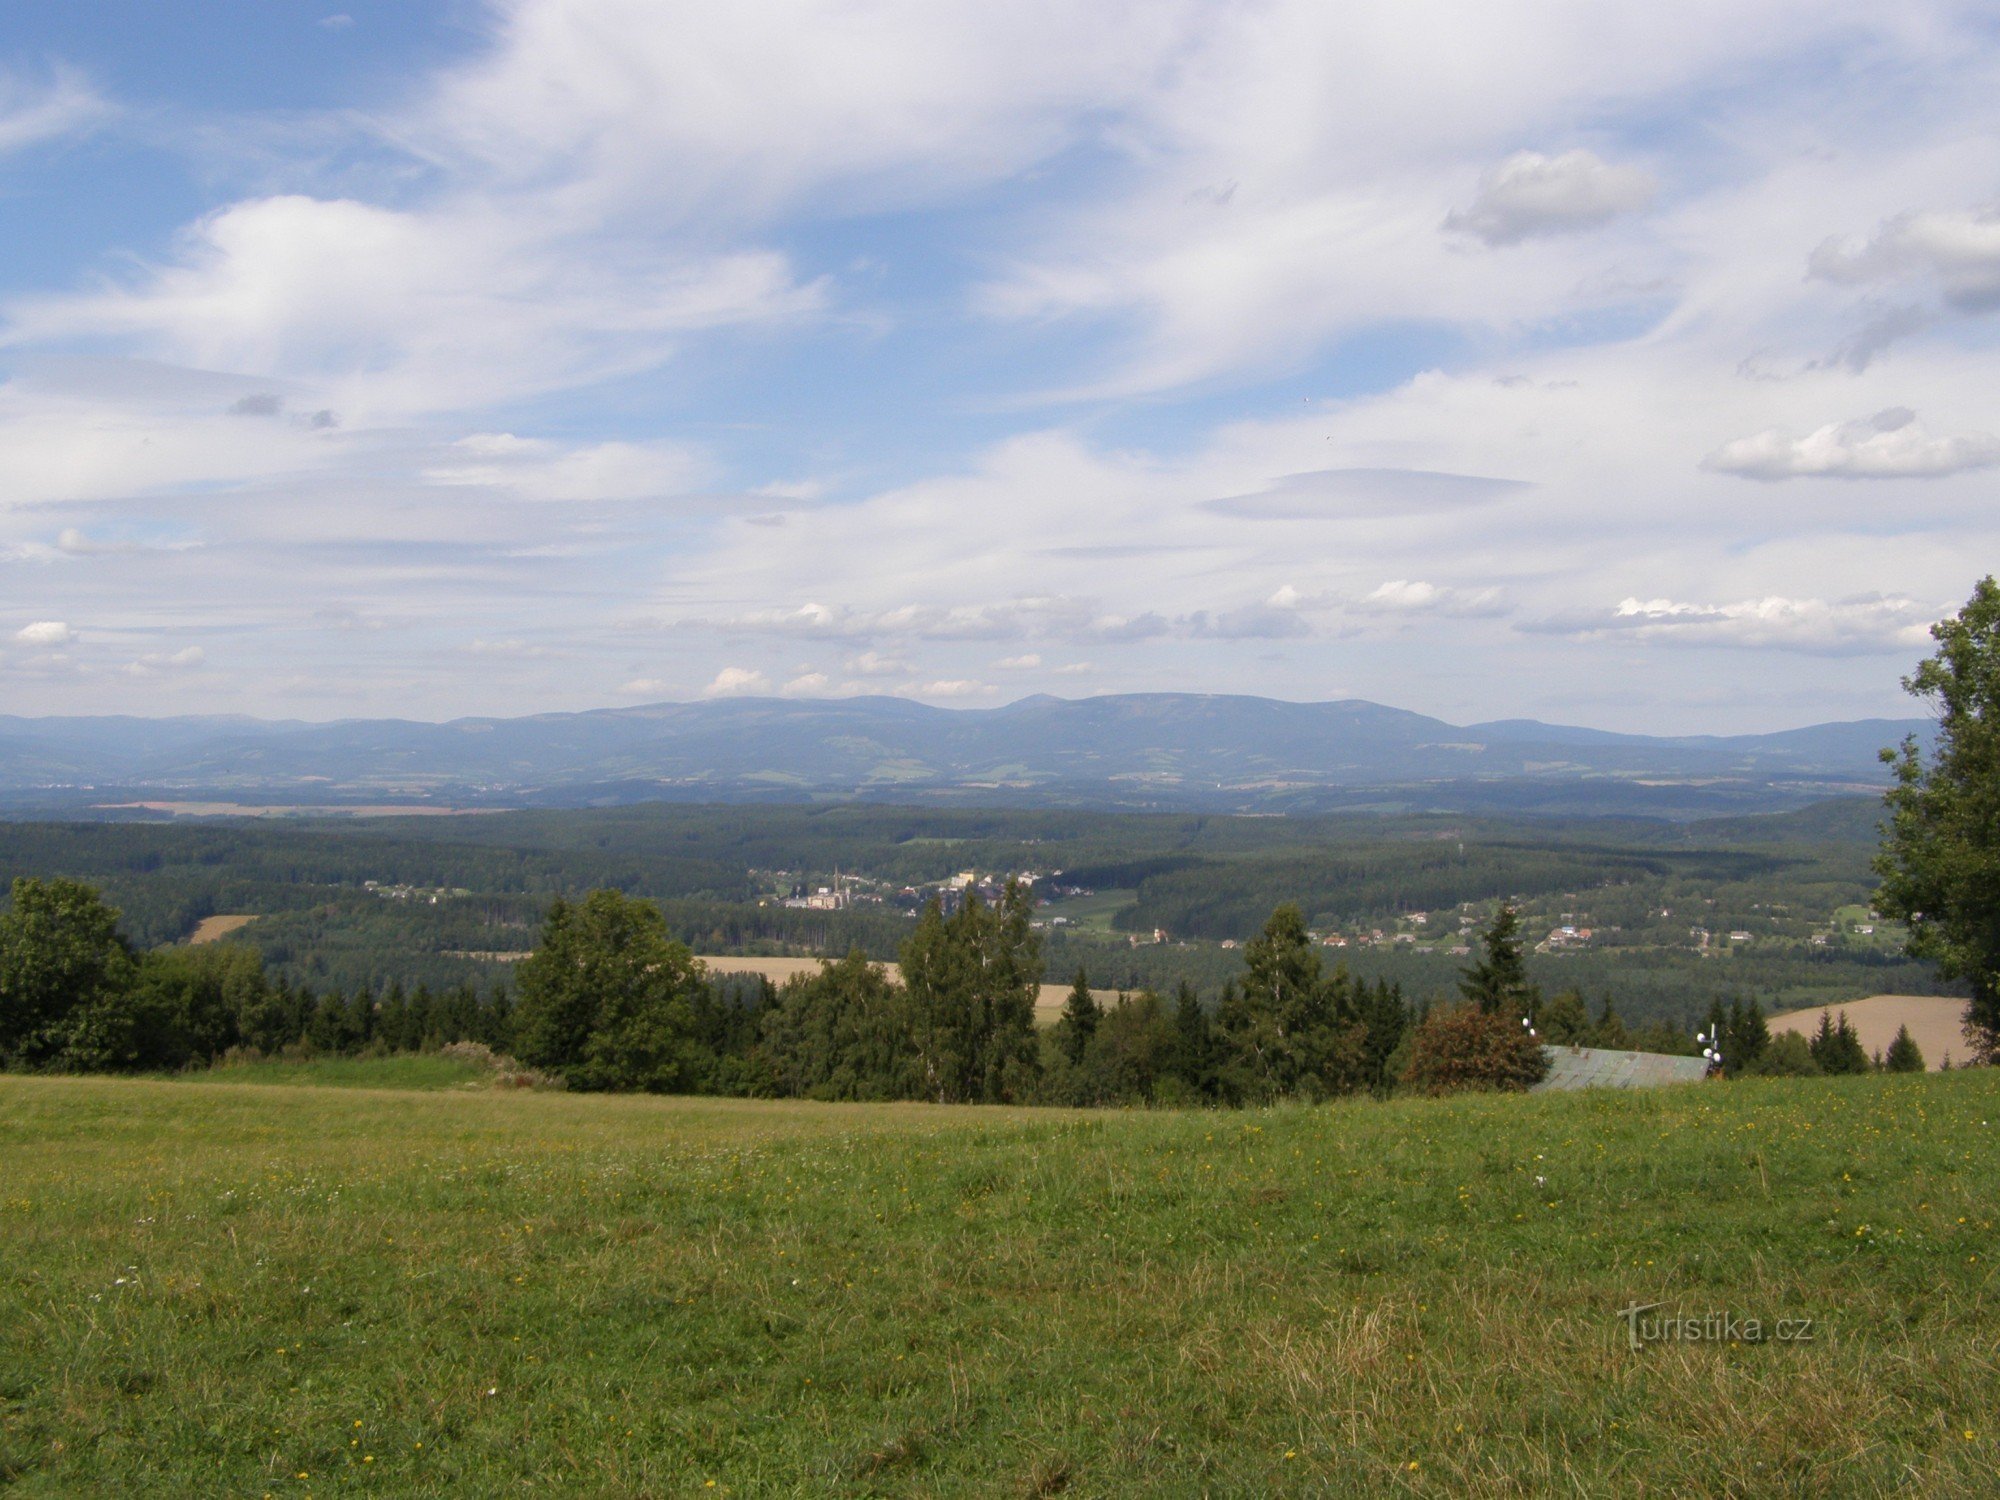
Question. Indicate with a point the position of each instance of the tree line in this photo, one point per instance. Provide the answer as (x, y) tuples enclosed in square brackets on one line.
[(611, 1001)]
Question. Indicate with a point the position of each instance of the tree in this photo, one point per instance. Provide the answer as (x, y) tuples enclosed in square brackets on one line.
[(972, 979), (1564, 1021), (1745, 1038), (604, 999), (1788, 1056), (1078, 1022), (1498, 980), (1194, 1045), (1466, 1046), (66, 978), (842, 1033), (1837, 1048), (1133, 1050), (1904, 1055), (1940, 854), (1292, 1030)]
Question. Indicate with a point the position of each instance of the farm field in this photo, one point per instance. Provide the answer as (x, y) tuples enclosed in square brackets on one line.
[(215, 929), (1937, 1024), (1048, 998), (227, 1288)]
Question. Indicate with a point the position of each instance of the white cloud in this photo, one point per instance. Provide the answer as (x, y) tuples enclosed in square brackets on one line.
[(1840, 627), (153, 663), (806, 685), (644, 687), (1960, 251), (1409, 596), (1529, 195), (45, 633), (733, 680), (339, 21), (1892, 444), (536, 469), (954, 687), (402, 312), (32, 112), (875, 664), (1027, 663)]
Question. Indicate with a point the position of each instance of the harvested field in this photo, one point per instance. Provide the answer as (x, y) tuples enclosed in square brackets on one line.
[(1048, 1005), (215, 929), (1936, 1023)]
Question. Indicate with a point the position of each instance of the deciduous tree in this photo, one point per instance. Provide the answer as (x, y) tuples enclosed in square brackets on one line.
[(1940, 855)]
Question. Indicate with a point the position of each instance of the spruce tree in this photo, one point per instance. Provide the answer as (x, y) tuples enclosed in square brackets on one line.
[(1745, 1038), (1497, 981), (1078, 1023), (1904, 1055), (1194, 1043)]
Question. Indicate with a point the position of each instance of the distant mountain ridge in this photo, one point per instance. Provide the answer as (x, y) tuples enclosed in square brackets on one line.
[(1167, 750)]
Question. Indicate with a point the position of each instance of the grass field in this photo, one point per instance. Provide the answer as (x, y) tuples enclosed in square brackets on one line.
[(216, 1288)]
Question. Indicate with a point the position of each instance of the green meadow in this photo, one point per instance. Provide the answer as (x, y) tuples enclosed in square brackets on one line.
[(224, 1287)]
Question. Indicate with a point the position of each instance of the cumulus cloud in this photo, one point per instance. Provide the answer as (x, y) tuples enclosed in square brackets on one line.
[(1027, 663), (46, 633), (1863, 624), (1530, 195), (731, 681), (805, 685), (1892, 444), (1959, 251), (153, 663), (1410, 596), (644, 687)]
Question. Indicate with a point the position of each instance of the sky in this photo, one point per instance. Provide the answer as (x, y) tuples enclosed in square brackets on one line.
[(1608, 363)]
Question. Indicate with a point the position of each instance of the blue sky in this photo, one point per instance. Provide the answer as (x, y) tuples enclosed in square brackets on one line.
[(1616, 364)]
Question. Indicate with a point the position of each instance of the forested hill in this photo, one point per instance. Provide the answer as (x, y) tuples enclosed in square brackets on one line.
[(1168, 751)]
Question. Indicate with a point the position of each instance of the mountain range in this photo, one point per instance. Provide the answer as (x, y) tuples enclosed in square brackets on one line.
[(1178, 751)]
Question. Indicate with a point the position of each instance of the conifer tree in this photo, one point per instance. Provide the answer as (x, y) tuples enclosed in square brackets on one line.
[(1836, 1047), (1078, 1022), (1497, 981), (1297, 1031), (1194, 1043), (1904, 1055), (1745, 1038)]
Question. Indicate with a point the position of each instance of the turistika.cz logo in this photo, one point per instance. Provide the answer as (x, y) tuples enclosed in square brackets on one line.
[(1645, 1324)]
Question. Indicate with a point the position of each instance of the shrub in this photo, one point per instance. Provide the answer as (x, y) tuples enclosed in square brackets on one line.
[(1788, 1056), (1464, 1047)]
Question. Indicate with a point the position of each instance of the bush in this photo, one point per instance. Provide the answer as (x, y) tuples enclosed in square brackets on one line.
[(1788, 1056), (1464, 1047)]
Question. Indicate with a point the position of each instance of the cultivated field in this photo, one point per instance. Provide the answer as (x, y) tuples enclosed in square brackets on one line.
[(1937, 1024), (1048, 1001), (215, 929), (226, 1289)]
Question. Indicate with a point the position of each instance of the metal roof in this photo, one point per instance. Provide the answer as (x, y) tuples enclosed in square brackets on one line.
[(1603, 1068)]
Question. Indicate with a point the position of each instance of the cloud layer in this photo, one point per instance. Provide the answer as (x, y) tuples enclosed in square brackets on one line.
[(662, 349)]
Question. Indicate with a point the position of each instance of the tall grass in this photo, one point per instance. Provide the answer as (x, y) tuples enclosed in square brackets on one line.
[(217, 1289)]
